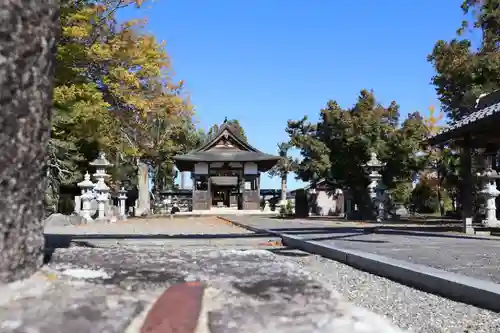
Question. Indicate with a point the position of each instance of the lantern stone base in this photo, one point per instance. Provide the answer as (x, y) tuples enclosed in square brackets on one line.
[(491, 223)]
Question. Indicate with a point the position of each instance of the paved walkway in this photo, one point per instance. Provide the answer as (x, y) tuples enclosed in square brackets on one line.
[(475, 257)]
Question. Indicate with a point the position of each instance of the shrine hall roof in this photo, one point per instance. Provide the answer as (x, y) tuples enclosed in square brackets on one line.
[(226, 156), (487, 110), (241, 151)]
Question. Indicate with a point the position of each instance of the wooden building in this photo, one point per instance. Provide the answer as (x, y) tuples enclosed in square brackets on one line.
[(480, 132), (226, 172)]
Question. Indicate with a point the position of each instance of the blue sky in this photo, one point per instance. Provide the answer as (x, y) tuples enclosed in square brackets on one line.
[(266, 61)]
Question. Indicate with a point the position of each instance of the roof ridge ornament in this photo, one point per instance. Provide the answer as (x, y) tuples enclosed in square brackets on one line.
[(479, 99)]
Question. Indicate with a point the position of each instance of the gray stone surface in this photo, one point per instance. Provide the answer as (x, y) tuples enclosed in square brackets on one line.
[(247, 291), (27, 55), (61, 220), (72, 307), (478, 258)]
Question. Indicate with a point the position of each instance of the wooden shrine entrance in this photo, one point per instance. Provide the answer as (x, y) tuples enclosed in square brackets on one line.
[(226, 172), (225, 192)]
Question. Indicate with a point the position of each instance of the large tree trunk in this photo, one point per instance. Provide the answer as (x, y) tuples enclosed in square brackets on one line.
[(28, 32), (440, 200), (283, 187)]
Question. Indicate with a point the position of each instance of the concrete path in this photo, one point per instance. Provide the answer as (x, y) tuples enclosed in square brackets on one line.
[(305, 226), (477, 257), (455, 266)]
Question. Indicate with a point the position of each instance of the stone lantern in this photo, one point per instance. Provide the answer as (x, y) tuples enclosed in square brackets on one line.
[(101, 164), (86, 186), (490, 192), (376, 188)]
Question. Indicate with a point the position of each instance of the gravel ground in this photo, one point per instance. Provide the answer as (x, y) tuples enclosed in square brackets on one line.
[(407, 308)]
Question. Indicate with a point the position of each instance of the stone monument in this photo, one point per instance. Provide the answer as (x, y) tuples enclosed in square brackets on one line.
[(27, 48), (143, 205)]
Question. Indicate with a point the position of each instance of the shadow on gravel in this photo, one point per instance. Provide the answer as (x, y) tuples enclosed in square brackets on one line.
[(375, 231), (430, 234), (320, 230), (339, 237), (289, 252), (367, 229)]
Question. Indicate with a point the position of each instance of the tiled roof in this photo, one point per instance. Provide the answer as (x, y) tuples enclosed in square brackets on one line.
[(485, 110), (224, 155)]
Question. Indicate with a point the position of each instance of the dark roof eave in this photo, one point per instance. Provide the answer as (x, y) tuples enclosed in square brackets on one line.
[(483, 116), (459, 133), (186, 163), (217, 158)]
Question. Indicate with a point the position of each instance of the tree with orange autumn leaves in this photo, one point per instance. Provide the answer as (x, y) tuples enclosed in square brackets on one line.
[(114, 91), (441, 176)]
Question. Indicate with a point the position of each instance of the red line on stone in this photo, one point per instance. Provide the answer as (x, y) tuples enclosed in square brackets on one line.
[(176, 310)]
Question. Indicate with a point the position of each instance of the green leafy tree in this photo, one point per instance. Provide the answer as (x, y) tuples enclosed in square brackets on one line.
[(336, 148), (463, 74), (114, 92), (284, 167)]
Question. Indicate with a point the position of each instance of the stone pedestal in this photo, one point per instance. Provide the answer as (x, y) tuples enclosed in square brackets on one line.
[(78, 205), (86, 212)]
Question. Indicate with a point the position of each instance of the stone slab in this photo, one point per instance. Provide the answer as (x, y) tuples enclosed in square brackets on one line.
[(70, 307), (104, 290)]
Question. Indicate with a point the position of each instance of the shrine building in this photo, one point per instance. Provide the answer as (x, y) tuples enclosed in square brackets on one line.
[(226, 172)]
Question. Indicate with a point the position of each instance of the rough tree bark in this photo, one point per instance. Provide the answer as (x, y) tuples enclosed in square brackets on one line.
[(28, 32), (283, 186)]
